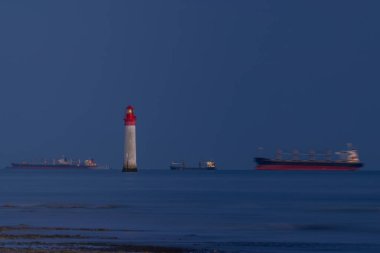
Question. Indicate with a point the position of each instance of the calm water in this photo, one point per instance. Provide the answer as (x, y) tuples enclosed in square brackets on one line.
[(235, 211)]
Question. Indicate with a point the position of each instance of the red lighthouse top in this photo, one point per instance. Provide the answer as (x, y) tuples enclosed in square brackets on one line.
[(130, 117)]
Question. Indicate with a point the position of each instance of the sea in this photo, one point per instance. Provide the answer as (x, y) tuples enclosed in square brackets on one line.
[(208, 211)]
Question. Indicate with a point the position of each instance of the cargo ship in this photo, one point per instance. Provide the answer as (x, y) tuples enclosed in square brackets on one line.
[(62, 163), (203, 165), (347, 160)]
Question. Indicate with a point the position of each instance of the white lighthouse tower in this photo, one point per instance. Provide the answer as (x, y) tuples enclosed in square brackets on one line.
[(130, 164)]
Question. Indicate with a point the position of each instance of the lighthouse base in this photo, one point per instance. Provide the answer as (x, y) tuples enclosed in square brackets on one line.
[(129, 169)]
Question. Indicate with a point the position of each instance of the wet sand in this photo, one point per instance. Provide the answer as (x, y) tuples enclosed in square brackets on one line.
[(28, 239), (83, 249)]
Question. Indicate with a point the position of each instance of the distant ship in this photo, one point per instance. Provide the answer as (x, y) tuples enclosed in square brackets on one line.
[(203, 165), (348, 160), (62, 163)]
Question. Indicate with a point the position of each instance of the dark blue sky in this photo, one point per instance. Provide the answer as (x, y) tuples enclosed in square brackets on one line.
[(208, 79)]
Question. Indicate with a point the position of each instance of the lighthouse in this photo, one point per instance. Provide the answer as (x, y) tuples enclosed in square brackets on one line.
[(130, 164)]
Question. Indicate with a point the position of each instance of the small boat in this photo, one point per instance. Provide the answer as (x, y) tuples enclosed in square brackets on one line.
[(203, 165)]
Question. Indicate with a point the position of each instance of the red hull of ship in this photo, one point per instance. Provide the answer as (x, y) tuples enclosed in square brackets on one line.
[(302, 167)]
